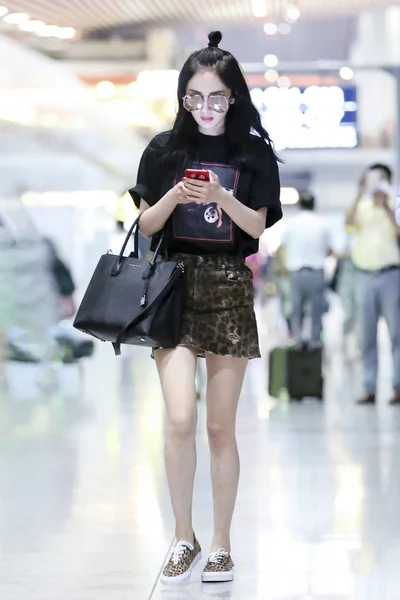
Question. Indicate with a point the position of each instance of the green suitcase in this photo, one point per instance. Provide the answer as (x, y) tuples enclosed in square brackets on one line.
[(296, 373)]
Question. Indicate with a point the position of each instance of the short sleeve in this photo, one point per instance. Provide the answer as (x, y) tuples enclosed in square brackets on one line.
[(149, 177), (266, 187)]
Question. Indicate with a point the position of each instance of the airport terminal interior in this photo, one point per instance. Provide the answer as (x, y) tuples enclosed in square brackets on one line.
[(85, 510)]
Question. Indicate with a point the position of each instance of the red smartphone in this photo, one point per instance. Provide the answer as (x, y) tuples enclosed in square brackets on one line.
[(197, 174)]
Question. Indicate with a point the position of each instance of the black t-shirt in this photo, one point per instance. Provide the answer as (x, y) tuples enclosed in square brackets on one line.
[(198, 229)]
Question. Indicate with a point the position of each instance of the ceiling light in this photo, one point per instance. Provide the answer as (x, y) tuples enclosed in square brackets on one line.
[(32, 26), (271, 75), (67, 33), (270, 28), (292, 13), (105, 90), (63, 33), (284, 82), (16, 18), (49, 31), (346, 73), (284, 28), (3, 11), (270, 60), (259, 8)]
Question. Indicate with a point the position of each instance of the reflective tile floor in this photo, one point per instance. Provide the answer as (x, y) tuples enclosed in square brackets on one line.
[(84, 510)]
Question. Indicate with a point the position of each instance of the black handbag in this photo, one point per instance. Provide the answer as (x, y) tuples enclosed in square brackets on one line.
[(134, 301)]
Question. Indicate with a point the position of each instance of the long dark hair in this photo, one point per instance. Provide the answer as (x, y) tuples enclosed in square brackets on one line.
[(242, 117)]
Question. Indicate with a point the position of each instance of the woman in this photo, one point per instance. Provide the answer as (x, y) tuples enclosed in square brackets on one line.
[(211, 132)]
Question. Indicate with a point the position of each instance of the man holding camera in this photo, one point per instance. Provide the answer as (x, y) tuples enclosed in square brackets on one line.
[(376, 257)]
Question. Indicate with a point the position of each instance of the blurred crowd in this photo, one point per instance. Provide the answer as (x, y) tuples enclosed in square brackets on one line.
[(37, 300), (365, 278)]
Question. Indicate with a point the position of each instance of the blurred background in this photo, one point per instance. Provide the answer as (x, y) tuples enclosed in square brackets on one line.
[(83, 88)]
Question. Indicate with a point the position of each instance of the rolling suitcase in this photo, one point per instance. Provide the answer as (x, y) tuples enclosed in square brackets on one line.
[(296, 372)]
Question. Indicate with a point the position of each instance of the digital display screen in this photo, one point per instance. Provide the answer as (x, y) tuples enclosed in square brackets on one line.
[(311, 117)]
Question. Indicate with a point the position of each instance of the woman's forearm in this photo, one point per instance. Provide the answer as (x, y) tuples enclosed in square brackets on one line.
[(154, 218), (249, 220)]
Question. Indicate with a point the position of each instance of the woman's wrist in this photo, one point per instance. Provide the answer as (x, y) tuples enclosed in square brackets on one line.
[(171, 197), (224, 197)]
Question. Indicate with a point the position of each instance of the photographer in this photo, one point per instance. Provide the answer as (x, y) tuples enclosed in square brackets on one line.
[(376, 257)]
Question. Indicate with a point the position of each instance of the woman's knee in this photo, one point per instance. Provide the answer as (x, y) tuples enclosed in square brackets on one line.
[(220, 435), (182, 427), (177, 369)]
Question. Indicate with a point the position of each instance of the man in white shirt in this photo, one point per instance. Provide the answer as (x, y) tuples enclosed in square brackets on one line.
[(306, 244), (376, 257)]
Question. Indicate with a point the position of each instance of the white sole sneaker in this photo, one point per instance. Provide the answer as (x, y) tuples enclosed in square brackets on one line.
[(180, 578), (207, 577)]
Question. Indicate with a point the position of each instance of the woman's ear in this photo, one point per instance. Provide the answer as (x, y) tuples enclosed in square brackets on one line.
[(232, 101)]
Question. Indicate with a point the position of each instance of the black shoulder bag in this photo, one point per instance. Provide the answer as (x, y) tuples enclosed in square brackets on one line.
[(134, 301)]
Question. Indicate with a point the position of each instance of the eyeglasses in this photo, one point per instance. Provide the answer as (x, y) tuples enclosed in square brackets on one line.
[(216, 102)]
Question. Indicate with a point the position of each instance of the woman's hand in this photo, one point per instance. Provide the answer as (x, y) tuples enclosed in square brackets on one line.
[(177, 194), (203, 192)]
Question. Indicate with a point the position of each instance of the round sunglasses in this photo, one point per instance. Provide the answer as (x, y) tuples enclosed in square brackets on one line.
[(216, 102)]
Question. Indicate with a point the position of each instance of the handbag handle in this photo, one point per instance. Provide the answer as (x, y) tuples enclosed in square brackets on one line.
[(135, 228)]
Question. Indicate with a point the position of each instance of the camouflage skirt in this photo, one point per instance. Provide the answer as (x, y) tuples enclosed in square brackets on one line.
[(219, 312)]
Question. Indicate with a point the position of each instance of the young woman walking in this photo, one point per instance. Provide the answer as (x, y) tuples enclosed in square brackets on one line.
[(211, 226)]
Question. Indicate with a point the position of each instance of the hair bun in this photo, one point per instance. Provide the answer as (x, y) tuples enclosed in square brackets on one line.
[(214, 39)]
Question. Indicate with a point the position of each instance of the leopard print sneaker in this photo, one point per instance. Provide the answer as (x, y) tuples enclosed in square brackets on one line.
[(219, 567), (183, 559)]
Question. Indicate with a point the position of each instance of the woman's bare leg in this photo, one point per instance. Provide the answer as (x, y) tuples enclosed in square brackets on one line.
[(177, 371), (225, 379)]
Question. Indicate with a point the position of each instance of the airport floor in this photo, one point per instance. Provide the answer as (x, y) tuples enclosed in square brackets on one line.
[(85, 512), (84, 505)]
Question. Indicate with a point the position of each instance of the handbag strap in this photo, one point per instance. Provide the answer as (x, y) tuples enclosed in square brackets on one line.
[(135, 230), (145, 312)]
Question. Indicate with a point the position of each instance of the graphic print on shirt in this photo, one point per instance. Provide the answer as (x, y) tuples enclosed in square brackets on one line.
[(207, 223)]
